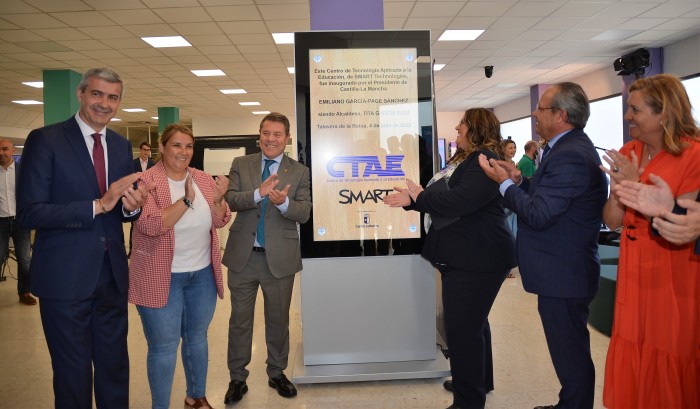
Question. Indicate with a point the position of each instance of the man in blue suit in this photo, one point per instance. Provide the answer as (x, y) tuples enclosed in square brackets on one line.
[(559, 219), (141, 164), (75, 189), (144, 160)]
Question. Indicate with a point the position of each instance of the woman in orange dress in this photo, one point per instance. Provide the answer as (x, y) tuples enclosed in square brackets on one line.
[(654, 354)]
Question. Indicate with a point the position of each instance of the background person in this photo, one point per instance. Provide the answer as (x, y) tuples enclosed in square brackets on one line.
[(141, 164), (653, 356), (470, 244), (559, 219), (144, 161), (175, 272), (8, 228), (526, 165), (512, 218), (509, 149), (79, 266), (263, 252)]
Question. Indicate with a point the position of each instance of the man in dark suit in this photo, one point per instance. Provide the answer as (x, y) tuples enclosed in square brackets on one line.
[(141, 163), (263, 251), (75, 189), (22, 239), (144, 160), (559, 219)]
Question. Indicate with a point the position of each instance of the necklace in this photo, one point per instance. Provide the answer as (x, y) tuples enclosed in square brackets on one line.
[(649, 154)]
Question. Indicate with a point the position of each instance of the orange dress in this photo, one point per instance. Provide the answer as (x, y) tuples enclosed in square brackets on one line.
[(654, 354)]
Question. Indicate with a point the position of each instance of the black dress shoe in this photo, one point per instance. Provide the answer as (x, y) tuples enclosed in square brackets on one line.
[(448, 385), (283, 386), (235, 391)]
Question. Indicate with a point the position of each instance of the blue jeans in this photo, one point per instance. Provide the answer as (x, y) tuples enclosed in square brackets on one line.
[(190, 308), (22, 241)]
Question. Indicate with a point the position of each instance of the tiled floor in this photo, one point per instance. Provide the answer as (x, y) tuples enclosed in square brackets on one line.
[(524, 375)]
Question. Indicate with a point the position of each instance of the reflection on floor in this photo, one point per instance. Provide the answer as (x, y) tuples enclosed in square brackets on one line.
[(524, 375)]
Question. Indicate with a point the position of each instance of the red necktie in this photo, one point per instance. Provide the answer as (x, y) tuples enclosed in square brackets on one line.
[(98, 159)]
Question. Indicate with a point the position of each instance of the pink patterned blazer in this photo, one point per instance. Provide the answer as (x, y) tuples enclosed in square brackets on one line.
[(153, 246)]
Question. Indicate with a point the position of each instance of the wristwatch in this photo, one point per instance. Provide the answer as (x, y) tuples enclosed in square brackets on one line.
[(187, 202)]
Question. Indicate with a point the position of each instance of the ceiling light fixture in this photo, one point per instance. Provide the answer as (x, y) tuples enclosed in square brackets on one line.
[(248, 103), (233, 91), (261, 112), (283, 38), (35, 84), (208, 73), (291, 70), (115, 119), (134, 110), (167, 42), (438, 67), (28, 102), (460, 35)]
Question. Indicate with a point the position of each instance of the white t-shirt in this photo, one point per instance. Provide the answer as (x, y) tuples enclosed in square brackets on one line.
[(192, 231)]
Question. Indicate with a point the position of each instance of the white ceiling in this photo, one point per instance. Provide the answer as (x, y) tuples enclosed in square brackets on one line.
[(527, 41)]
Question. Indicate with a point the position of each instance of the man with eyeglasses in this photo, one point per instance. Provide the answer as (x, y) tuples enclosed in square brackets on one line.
[(559, 217), (144, 160), (141, 163)]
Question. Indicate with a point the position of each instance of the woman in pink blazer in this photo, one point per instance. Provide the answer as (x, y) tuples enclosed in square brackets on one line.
[(175, 272)]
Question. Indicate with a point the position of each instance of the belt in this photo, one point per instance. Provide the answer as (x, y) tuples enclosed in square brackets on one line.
[(259, 249), (8, 218)]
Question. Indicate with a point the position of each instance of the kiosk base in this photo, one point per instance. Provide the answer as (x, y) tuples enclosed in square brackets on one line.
[(370, 371)]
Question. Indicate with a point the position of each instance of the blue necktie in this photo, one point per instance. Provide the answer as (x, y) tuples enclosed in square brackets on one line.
[(263, 206), (545, 151)]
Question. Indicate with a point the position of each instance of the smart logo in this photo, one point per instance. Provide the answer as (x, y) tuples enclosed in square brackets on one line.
[(348, 196), (337, 167)]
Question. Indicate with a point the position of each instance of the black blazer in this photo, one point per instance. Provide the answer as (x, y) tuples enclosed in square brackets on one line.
[(137, 164), (480, 239)]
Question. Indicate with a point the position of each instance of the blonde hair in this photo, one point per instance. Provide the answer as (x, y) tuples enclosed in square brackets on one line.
[(666, 95)]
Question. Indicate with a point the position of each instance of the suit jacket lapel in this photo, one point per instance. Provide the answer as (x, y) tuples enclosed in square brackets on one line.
[(283, 171), (74, 139), (255, 170)]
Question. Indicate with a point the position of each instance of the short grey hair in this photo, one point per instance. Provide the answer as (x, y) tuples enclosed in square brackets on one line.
[(572, 99), (103, 74)]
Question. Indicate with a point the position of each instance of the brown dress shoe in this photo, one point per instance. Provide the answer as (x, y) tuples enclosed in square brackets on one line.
[(198, 403), (27, 299)]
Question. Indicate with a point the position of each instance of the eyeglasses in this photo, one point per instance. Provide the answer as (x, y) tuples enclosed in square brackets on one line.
[(539, 108)]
